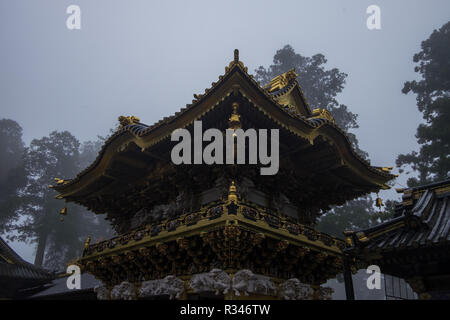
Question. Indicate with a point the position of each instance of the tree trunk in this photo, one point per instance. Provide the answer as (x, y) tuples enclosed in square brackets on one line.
[(39, 259)]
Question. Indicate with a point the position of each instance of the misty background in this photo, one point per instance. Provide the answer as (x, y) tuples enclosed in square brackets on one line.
[(147, 58)]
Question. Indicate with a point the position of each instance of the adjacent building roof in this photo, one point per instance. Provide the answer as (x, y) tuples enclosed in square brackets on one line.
[(422, 220), (415, 244), (16, 274), (57, 289)]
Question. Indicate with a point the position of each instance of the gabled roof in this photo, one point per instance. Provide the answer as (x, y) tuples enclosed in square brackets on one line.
[(423, 220), (12, 265), (8, 255), (16, 274), (57, 289), (278, 106)]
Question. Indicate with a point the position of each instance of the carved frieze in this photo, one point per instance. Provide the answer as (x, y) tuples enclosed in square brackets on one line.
[(170, 285), (293, 289), (102, 293), (124, 291), (245, 282), (216, 280)]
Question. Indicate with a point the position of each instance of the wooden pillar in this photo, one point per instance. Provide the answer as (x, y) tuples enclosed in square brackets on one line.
[(315, 295), (348, 281)]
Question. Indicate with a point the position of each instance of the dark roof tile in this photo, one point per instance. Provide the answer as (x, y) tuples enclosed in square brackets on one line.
[(425, 222)]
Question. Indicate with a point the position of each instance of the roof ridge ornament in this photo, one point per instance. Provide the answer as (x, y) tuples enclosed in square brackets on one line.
[(323, 114), (388, 171), (87, 242), (281, 81), (236, 55), (125, 121), (59, 182), (236, 62)]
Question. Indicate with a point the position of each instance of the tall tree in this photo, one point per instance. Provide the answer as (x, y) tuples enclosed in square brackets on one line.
[(45, 159), (321, 86), (12, 173), (29, 210), (432, 161), (66, 240)]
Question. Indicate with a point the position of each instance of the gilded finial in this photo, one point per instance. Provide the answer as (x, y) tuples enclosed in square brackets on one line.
[(87, 242), (235, 62), (232, 197)]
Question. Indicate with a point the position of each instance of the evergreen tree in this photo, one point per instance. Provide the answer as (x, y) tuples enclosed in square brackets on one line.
[(45, 159), (37, 219), (321, 86), (12, 172), (432, 161)]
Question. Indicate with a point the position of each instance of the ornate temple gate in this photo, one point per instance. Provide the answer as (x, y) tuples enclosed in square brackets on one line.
[(226, 229)]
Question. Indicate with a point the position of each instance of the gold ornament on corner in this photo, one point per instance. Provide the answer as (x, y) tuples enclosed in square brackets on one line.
[(323, 114), (281, 81), (125, 121)]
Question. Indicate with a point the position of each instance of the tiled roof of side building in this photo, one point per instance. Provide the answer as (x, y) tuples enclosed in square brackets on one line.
[(423, 220), (13, 266)]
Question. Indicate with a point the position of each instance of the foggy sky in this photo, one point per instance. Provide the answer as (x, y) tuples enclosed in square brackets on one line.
[(147, 58)]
